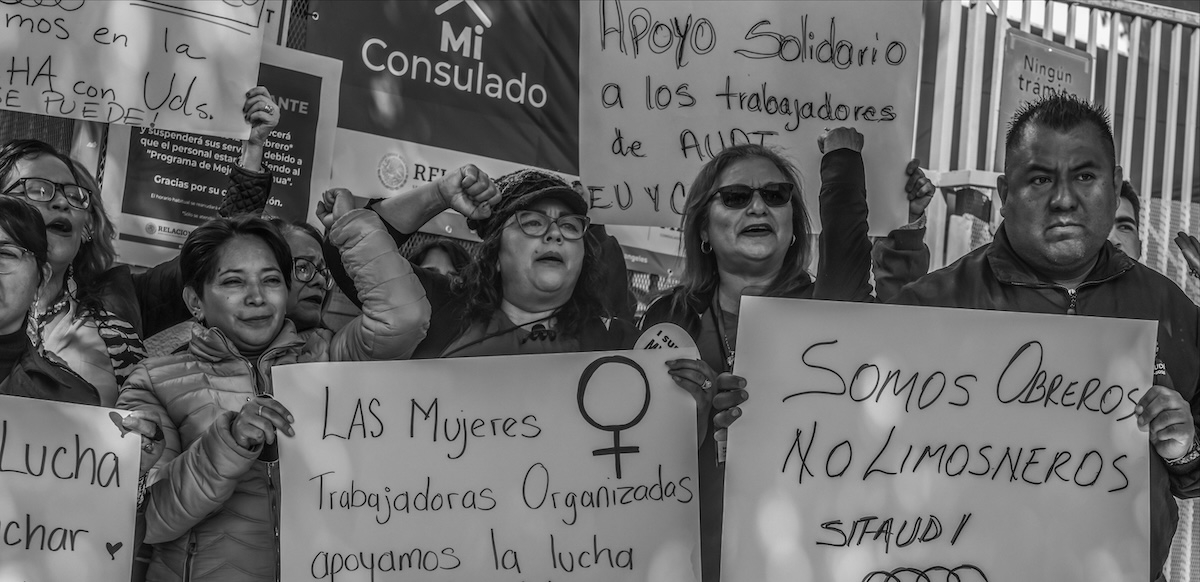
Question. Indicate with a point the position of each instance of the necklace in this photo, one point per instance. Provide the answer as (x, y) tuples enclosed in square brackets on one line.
[(719, 317)]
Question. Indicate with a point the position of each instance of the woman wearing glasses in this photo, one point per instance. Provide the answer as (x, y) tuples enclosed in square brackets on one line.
[(533, 286), (311, 281), (24, 270), (91, 314)]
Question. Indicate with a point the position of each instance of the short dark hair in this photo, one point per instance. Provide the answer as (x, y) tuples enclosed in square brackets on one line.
[(1062, 112), (25, 225), (1128, 193), (202, 249), (459, 257)]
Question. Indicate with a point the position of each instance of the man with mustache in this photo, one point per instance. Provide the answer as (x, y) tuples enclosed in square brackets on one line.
[(1059, 192)]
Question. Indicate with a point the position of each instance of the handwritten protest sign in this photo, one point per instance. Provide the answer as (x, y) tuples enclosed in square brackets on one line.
[(180, 66), (554, 467), (666, 85), (1035, 68), (162, 184), (1001, 446), (68, 492)]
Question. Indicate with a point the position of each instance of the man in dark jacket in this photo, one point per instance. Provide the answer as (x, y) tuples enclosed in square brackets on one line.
[(1051, 255)]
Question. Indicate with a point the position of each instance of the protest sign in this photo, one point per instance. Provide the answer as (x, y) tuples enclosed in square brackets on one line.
[(666, 85), (551, 467), (161, 184), (1035, 68), (1002, 446), (178, 66), (68, 492), (431, 85)]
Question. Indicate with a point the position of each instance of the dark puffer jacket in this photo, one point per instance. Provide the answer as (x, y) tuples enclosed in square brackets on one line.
[(994, 277), (35, 376)]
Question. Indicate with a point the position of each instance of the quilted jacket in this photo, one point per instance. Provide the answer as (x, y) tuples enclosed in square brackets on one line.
[(212, 508)]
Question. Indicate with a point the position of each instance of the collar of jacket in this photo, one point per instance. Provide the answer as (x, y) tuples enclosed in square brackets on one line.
[(1009, 268), (211, 344)]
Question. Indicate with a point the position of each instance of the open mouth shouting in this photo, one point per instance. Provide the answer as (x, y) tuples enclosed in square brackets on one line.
[(758, 229), (550, 258), (60, 226)]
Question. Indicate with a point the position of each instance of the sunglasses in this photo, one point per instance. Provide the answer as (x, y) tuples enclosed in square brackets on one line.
[(737, 196), (303, 270), (43, 190), (537, 224)]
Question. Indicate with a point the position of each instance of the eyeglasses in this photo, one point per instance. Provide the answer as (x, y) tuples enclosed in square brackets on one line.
[(11, 256), (738, 196), (42, 190), (536, 224), (303, 270)]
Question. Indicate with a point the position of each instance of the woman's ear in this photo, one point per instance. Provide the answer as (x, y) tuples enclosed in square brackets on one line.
[(193, 302)]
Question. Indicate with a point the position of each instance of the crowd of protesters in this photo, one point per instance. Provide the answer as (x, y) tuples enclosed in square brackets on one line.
[(544, 279)]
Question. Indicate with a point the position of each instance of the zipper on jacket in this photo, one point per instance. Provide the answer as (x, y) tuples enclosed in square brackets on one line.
[(1072, 294), (191, 555), (273, 496)]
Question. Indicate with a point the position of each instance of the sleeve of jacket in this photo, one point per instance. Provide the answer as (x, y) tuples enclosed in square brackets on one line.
[(159, 292), (844, 260), (185, 486), (248, 192), (1185, 480), (618, 298), (395, 311), (897, 260)]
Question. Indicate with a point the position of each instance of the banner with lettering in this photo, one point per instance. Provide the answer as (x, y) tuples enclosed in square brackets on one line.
[(1035, 68), (564, 467), (68, 492), (1001, 446), (161, 184), (181, 65), (666, 85), (430, 85)]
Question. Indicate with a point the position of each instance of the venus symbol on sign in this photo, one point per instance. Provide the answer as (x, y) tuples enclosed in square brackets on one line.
[(617, 449)]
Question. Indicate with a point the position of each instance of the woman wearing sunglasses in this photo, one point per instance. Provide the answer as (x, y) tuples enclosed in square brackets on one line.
[(91, 314), (746, 232), (533, 286)]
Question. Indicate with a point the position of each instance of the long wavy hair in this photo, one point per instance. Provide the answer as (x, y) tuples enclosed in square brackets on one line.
[(700, 275), (481, 282), (95, 256)]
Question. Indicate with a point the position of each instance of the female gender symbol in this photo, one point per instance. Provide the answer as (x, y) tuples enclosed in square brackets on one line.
[(616, 449)]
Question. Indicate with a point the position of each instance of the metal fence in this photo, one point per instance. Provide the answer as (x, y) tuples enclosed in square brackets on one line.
[(1146, 72)]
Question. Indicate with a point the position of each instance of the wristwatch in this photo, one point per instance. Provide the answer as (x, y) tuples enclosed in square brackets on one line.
[(1192, 454)]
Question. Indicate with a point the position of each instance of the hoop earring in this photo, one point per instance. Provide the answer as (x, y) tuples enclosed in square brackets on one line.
[(704, 250), (793, 241)]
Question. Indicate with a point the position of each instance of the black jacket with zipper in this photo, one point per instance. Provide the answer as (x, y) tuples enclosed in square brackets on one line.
[(994, 277)]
